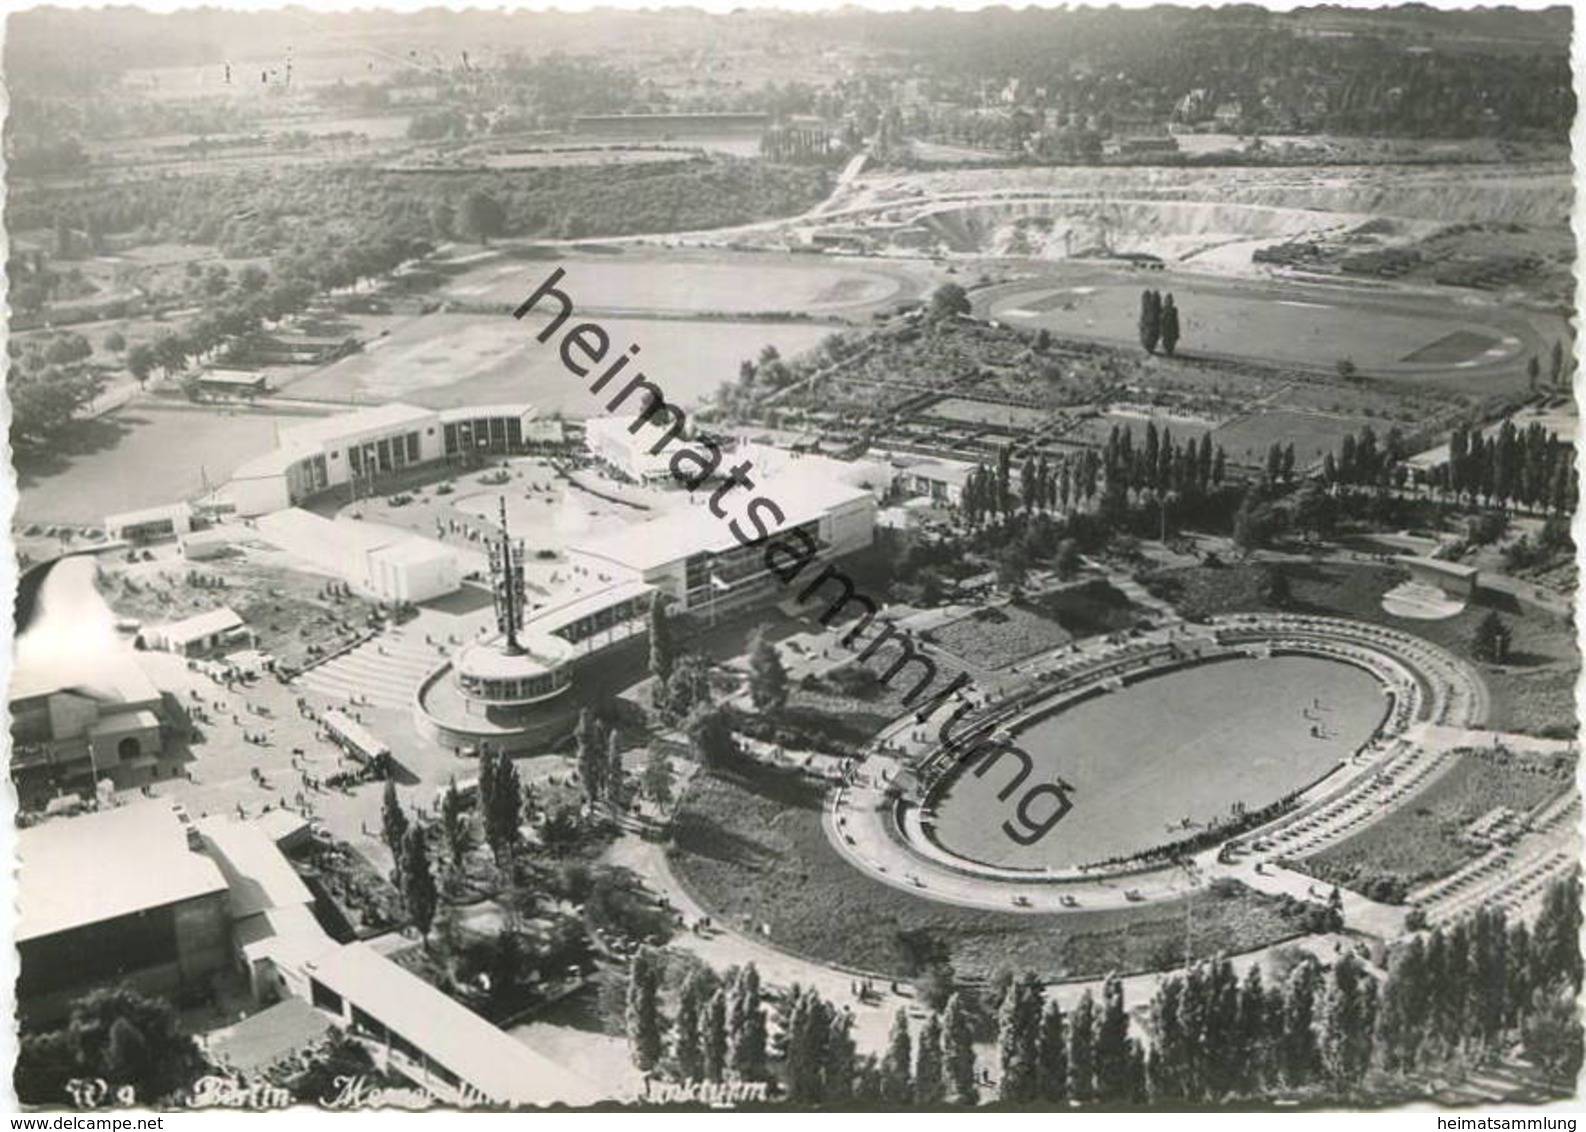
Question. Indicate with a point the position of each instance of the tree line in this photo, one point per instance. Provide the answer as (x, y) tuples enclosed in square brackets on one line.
[(1529, 467), (1445, 1002), (1159, 465)]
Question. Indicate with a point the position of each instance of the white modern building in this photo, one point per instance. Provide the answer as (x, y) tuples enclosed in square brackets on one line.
[(202, 633), (613, 442), (151, 523), (360, 450), (701, 564), (386, 564)]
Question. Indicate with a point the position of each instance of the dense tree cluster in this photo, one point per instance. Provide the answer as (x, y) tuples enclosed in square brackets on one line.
[(335, 217), (1159, 323), (48, 381), (718, 1030), (1528, 467), (1420, 74), (768, 678), (599, 752), (500, 802), (1450, 999), (1492, 639), (115, 1034)]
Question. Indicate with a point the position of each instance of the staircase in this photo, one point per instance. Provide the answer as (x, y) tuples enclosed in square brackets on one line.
[(384, 671)]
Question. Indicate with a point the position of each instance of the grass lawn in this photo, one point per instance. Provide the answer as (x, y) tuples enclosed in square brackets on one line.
[(1244, 322), (966, 411), (688, 283), (136, 457), (1420, 842), (1533, 693), (753, 850), (1313, 435), (444, 360)]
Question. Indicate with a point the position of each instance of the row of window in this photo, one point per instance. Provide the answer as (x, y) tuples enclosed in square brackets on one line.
[(603, 619), (526, 688), (489, 434), (387, 454)]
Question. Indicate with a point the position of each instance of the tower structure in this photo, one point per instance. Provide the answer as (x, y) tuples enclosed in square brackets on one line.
[(506, 585)]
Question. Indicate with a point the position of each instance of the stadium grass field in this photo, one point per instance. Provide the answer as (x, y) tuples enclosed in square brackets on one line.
[(1279, 324), (443, 360), (689, 283), (1188, 744)]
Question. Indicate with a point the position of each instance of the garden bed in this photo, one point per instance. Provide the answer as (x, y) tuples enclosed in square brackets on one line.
[(998, 636)]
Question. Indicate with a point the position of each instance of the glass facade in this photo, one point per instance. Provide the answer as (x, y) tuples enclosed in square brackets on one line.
[(514, 690), (603, 619), (493, 435)]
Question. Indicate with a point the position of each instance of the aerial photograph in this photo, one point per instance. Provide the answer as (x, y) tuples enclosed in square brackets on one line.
[(1002, 559)]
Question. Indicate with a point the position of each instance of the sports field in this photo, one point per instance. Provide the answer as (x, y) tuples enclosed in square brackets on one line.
[(1314, 435), (442, 360), (730, 284), (139, 456), (1186, 745), (1302, 327)]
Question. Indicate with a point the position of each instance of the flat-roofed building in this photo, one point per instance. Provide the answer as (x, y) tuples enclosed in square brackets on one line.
[(617, 444), (270, 906), (440, 1044), (384, 563), (211, 631), (363, 449), (1454, 578), (495, 430), (116, 896), (941, 481), (702, 565), (71, 729), (233, 383), (151, 523)]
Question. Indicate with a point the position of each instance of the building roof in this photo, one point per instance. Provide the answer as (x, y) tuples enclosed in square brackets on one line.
[(522, 410), (800, 495), (113, 677), (546, 621), (244, 378), (940, 471), (85, 870), (340, 723), (199, 626), (258, 874), (541, 654), (122, 722), (1439, 565), (500, 1068), (413, 552), (149, 515), (316, 434)]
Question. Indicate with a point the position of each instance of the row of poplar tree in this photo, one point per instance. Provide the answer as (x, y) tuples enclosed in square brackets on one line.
[(1449, 999), (1530, 467), (1158, 464)]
